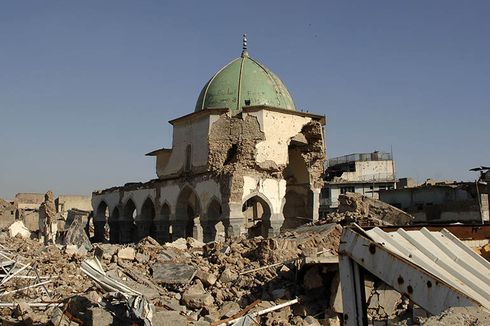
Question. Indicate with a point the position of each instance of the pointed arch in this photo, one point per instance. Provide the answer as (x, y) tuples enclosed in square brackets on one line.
[(100, 220), (127, 223), (146, 220), (129, 211), (162, 224), (187, 208), (213, 215), (114, 229), (256, 209)]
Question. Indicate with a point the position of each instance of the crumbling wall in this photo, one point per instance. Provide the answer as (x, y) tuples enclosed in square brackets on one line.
[(232, 152), (313, 152), (29, 200), (66, 202), (238, 147), (7, 213)]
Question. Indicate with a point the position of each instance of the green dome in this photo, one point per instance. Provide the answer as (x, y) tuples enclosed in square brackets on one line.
[(244, 82)]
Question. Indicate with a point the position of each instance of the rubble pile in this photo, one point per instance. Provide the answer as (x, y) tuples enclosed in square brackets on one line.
[(384, 303), (46, 273), (366, 211), (180, 283), (464, 316)]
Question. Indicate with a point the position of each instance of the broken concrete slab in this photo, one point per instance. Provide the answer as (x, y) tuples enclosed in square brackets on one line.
[(168, 273)]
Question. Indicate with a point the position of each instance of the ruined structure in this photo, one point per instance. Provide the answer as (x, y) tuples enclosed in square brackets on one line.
[(245, 157), (47, 215), (362, 173)]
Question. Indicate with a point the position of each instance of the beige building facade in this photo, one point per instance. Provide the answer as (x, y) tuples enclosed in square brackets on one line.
[(245, 161)]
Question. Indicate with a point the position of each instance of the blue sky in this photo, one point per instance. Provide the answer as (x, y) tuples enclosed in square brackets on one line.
[(87, 87)]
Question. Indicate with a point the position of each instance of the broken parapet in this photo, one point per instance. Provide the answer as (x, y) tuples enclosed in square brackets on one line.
[(370, 207)]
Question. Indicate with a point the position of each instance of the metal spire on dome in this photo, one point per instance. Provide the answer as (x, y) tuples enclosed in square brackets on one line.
[(244, 48)]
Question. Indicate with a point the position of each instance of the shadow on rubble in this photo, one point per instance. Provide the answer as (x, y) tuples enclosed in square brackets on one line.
[(80, 310), (311, 284)]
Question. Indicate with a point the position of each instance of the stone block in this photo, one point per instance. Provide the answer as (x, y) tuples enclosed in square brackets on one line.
[(228, 276), (99, 317), (228, 309), (127, 253), (167, 273), (180, 243), (195, 297), (206, 278), (164, 318)]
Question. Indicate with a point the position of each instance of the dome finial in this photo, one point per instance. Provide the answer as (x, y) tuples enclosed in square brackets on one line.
[(244, 48)]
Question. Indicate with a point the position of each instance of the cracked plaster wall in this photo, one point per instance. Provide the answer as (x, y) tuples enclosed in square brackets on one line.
[(192, 132)]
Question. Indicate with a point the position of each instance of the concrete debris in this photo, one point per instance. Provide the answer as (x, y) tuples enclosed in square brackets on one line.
[(366, 211), (464, 316), (143, 282), (290, 279), (18, 228), (127, 253), (166, 273), (180, 244), (75, 234)]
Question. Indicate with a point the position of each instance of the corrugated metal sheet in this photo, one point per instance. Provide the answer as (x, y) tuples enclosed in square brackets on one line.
[(444, 256)]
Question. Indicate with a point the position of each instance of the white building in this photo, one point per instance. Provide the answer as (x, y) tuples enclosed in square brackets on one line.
[(364, 173)]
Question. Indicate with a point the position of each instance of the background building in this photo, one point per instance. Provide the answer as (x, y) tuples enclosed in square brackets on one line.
[(443, 202), (363, 173)]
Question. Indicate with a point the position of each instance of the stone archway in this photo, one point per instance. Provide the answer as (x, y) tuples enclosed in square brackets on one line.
[(298, 199), (114, 229), (213, 217), (100, 220), (127, 224), (257, 212), (187, 209), (145, 221), (162, 225)]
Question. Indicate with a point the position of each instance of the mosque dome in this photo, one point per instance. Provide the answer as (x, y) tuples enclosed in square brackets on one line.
[(244, 82)]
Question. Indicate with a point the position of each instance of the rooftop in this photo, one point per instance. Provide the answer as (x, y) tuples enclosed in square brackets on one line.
[(374, 156)]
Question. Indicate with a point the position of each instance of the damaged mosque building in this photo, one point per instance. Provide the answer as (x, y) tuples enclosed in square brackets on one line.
[(246, 161)]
